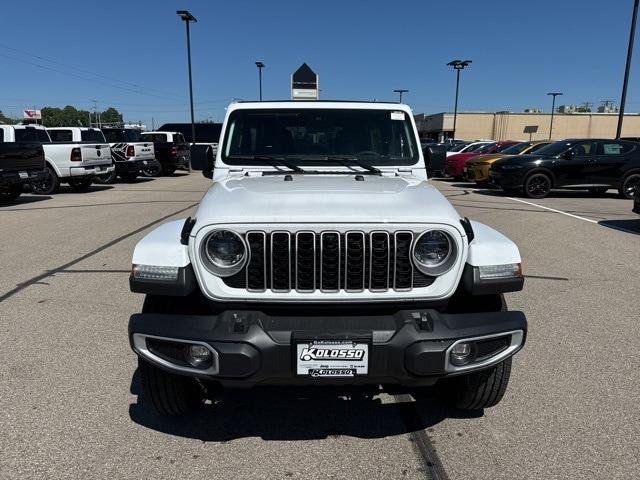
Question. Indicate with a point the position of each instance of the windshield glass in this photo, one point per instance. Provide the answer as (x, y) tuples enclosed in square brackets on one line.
[(554, 149), (153, 137), (378, 137), (516, 149), (91, 136), (114, 135), (537, 147), (484, 148)]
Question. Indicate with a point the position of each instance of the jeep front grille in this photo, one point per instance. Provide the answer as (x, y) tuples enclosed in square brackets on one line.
[(330, 261)]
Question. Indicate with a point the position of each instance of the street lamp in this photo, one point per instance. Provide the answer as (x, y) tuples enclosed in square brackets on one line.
[(401, 91), (553, 109), (627, 68), (188, 18), (260, 66), (457, 66)]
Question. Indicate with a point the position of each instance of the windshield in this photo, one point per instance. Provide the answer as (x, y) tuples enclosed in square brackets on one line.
[(554, 149), (516, 149), (92, 135), (457, 148), (484, 148), (380, 137), (114, 135), (536, 148)]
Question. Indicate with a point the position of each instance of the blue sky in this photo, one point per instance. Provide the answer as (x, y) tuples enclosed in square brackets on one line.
[(361, 50)]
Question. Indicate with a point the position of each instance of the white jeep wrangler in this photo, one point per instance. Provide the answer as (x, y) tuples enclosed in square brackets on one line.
[(321, 255)]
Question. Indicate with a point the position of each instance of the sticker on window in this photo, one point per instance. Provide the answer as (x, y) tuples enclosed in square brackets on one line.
[(397, 115), (612, 149)]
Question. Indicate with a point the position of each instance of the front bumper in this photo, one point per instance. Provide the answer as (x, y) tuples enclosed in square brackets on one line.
[(408, 348), (506, 180), (477, 173)]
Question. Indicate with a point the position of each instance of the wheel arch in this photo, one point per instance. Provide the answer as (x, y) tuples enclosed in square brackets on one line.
[(547, 171)]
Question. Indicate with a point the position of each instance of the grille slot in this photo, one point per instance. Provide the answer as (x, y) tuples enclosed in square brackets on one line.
[(330, 262), (280, 262), (305, 261)]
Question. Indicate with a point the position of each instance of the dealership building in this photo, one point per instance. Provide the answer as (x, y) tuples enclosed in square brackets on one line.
[(522, 126)]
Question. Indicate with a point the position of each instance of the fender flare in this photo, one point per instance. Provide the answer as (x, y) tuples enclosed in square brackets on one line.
[(490, 247), (53, 165)]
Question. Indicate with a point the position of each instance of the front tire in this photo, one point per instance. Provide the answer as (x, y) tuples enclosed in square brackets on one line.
[(49, 184), (167, 393), (478, 390), (537, 185), (629, 185)]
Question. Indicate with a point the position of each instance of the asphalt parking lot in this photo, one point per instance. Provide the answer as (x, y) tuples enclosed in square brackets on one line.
[(69, 388)]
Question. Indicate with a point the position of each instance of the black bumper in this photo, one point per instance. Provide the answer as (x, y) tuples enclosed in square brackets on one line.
[(131, 166), (506, 180), (408, 347), (9, 179)]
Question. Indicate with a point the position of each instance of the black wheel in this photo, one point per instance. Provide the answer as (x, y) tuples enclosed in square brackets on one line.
[(153, 170), (106, 179), (598, 190), (478, 390), (81, 185), (10, 194), (168, 170), (537, 185), (167, 393), (49, 184), (629, 185), (129, 176)]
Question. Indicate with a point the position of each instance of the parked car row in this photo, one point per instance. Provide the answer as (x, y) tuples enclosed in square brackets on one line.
[(535, 168), (45, 158)]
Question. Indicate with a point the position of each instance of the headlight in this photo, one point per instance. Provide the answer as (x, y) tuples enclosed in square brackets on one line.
[(224, 253), (434, 253)]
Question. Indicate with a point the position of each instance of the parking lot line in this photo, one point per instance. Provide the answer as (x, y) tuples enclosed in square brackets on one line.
[(554, 210)]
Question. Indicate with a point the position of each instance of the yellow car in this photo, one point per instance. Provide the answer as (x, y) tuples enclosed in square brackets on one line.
[(477, 169)]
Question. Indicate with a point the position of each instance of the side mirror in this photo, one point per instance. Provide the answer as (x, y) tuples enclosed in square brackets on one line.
[(202, 159), (567, 155)]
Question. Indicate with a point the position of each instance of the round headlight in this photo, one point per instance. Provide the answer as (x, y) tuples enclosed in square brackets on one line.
[(434, 252), (224, 252)]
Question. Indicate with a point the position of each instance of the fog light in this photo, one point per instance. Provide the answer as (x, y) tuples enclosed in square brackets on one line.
[(198, 355), (461, 353)]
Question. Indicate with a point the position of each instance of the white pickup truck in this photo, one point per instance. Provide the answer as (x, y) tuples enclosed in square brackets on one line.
[(130, 153), (75, 162)]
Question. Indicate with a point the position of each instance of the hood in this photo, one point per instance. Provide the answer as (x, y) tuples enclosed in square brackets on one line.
[(463, 156), (517, 159), (486, 158), (324, 199)]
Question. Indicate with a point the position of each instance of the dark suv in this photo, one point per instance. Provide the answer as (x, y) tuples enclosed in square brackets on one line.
[(591, 164)]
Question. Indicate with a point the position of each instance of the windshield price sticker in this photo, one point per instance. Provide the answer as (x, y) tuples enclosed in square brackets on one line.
[(337, 358), (397, 115)]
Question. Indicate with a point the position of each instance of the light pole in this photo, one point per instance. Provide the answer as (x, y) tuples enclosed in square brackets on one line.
[(457, 66), (553, 109), (401, 91), (627, 68), (260, 66), (188, 18)]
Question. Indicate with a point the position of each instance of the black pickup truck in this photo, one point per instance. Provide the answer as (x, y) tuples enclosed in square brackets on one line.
[(171, 150), (21, 161)]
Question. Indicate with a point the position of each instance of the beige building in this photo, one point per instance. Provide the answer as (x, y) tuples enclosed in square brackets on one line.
[(512, 126)]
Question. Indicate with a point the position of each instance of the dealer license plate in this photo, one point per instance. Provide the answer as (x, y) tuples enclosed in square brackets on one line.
[(332, 358), (23, 175)]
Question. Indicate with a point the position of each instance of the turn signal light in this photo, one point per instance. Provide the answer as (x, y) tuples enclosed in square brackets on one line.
[(155, 272), (491, 272)]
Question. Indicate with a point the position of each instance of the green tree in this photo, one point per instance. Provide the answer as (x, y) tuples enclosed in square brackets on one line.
[(111, 115), (6, 120)]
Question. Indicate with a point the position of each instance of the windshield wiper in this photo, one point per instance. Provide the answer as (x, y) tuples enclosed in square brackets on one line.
[(273, 161), (347, 161)]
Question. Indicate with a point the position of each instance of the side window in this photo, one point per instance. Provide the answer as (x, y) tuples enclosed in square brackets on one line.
[(612, 147), (61, 135), (1, 136), (26, 135), (583, 149)]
